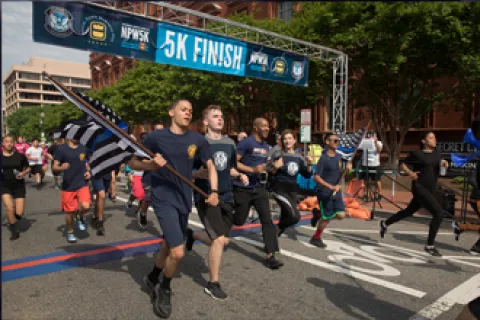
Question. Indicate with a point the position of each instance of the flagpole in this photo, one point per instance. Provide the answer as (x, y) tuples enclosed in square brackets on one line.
[(113, 127)]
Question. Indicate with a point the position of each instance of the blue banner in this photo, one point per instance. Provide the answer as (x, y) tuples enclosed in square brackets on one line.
[(81, 26)]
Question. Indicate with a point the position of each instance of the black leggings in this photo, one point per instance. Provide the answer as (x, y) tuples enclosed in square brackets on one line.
[(287, 200), (259, 198), (422, 198)]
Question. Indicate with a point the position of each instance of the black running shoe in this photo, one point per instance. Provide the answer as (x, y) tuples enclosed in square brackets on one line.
[(142, 219), (190, 240), (100, 228), (215, 291), (475, 250), (150, 286), (383, 228), (18, 217), (15, 233), (315, 217), (318, 243), (162, 304), (273, 263), (433, 251)]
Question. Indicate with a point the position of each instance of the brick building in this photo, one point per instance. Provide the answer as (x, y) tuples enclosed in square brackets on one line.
[(449, 125)]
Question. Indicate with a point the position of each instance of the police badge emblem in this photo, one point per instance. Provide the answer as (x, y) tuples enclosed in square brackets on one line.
[(58, 22)]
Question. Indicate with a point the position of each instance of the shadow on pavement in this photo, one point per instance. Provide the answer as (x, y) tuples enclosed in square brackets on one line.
[(151, 228), (22, 225), (350, 298)]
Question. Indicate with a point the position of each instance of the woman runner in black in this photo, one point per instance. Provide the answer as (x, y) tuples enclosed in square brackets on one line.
[(284, 165), (14, 168), (426, 165)]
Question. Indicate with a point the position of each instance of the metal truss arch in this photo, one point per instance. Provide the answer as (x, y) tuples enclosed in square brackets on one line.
[(178, 15)]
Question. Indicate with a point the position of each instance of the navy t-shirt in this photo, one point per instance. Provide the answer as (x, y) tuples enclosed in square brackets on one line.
[(428, 164), (293, 164), (253, 154), (179, 150), (224, 158), (328, 168), (73, 177)]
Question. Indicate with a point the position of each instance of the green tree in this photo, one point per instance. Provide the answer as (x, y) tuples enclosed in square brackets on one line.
[(398, 54)]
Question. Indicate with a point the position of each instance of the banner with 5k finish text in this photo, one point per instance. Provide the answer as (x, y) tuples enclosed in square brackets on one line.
[(85, 27)]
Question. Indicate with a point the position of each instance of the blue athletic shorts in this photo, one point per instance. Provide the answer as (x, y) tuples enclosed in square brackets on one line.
[(102, 184), (174, 224), (330, 206)]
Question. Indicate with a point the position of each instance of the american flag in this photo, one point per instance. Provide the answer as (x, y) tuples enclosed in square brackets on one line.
[(108, 150), (349, 142)]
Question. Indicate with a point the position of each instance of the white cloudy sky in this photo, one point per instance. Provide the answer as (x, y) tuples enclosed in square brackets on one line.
[(17, 43)]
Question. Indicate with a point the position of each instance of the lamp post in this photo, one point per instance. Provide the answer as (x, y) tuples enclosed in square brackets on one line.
[(42, 116)]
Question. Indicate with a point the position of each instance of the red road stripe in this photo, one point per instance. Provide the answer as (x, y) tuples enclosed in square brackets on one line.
[(79, 254), (108, 249)]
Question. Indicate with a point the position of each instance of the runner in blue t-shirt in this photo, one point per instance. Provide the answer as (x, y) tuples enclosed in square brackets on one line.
[(251, 159), (171, 197), (327, 177), (217, 222), (284, 165)]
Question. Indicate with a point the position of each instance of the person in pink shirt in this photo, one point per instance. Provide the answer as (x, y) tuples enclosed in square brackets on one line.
[(21, 146)]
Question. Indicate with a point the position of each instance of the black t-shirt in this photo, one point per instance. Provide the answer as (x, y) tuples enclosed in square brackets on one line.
[(253, 154), (224, 158), (73, 177), (179, 150), (16, 161), (428, 166), (293, 164)]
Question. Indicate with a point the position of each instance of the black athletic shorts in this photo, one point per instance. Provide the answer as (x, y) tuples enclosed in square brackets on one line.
[(16, 190), (216, 222), (372, 176), (36, 169)]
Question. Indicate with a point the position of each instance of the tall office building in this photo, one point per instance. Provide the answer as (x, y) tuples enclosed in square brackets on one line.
[(24, 85)]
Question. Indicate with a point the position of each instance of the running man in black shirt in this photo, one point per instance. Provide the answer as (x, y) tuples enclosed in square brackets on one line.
[(217, 223), (171, 197), (284, 165), (426, 166), (14, 168), (252, 159)]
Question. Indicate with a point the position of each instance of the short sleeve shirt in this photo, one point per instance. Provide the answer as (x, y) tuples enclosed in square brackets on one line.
[(293, 164), (253, 153), (224, 158), (16, 161), (180, 151), (328, 168), (36, 153), (428, 164), (77, 158)]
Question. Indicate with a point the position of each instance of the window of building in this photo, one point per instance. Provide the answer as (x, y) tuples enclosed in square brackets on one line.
[(82, 82), (106, 80), (48, 87), (28, 104), (28, 76), (61, 79), (285, 10), (51, 97), (28, 95), (29, 86)]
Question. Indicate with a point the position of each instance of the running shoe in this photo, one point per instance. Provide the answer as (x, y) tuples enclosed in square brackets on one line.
[(433, 251), (318, 243), (475, 250), (383, 228), (81, 224), (71, 238), (315, 217), (190, 240), (273, 263), (15, 233), (163, 303), (100, 228), (142, 219), (215, 291)]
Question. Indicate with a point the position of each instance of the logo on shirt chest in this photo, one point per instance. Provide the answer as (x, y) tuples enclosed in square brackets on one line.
[(191, 151), (220, 160), (292, 168), (81, 156), (259, 152)]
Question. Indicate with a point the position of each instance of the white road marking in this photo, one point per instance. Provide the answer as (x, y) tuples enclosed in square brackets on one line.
[(339, 269), (462, 294), (376, 231), (457, 259)]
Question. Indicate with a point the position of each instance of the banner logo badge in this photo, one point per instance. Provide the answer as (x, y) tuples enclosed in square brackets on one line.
[(58, 22)]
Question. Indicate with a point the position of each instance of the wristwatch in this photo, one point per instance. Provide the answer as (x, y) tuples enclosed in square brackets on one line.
[(214, 191)]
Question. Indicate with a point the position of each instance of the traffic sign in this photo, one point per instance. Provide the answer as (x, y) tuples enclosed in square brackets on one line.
[(306, 117), (305, 134)]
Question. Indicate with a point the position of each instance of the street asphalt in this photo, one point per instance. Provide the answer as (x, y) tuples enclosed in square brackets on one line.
[(358, 275)]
